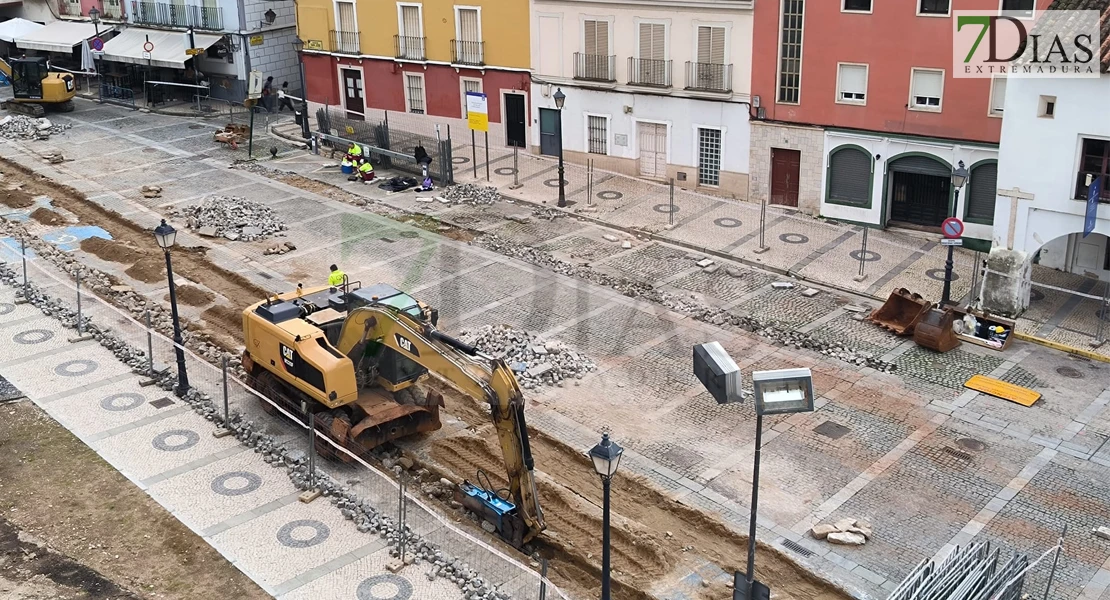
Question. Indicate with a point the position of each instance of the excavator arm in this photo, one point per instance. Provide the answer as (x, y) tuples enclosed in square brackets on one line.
[(469, 371)]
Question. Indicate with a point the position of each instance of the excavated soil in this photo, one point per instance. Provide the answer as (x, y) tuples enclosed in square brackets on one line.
[(16, 198), (192, 296), (148, 269), (110, 250), (47, 217)]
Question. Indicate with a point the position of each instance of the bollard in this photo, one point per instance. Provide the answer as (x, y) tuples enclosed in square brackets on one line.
[(225, 429), (26, 286), (590, 182), (149, 345), (474, 152), (862, 256), (516, 169), (401, 506), (487, 156), (670, 213), (762, 224), (1102, 315), (81, 337), (312, 493)]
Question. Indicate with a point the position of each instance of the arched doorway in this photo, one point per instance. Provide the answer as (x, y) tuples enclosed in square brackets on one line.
[(1087, 257), (918, 191)]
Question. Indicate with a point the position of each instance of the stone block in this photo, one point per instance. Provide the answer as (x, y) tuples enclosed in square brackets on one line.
[(822, 531), (846, 538)]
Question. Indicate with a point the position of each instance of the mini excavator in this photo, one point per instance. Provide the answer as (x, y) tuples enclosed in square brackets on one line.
[(353, 356), (35, 87)]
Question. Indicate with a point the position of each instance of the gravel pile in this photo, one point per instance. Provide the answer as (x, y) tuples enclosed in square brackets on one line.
[(22, 127), (535, 362), (469, 193), (233, 218)]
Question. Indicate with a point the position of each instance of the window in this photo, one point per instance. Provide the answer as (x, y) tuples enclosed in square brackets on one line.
[(414, 93), (926, 89), (468, 36), (857, 6), (998, 96), (598, 134), (651, 67), (410, 43), (1025, 7), (710, 71), (1047, 108), (982, 190), (1094, 161), (790, 52), (932, 7), (594, 62), (850, 176), (468, 84), (346, 35), (851, 87), (709, 156)]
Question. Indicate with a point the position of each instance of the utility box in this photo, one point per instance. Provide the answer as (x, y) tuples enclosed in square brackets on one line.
[(716, 370)]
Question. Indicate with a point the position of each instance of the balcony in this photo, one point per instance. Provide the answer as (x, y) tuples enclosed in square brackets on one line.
[(113, 11), (409, 47), (649, 72), (177, 15), (595, 67), (707, 77), (69, 9), (468, 53), (345, 42)]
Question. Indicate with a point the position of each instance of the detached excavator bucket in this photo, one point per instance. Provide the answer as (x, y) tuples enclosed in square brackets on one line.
[(934, 330), (901, 312)]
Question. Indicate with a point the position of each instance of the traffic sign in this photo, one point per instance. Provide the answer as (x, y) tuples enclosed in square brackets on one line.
[(952, 228), (952, 242), (97, 44), (146, 56), (193, 51), (148, 46)]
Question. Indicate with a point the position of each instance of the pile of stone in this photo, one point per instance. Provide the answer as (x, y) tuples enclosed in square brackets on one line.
[(282, 249), (469, 193), (233, 218), (535, 362), (22, 127), (845, 532)]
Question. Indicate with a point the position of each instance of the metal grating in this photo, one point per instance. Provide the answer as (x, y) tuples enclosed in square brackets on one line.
[(162, 402), (832, 430), (797, 548), (599, 135), (709, 156), (960, 454), (414, 91)]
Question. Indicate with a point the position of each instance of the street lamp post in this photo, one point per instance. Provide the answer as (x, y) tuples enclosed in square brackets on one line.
[(298, 44), (959, 178), (166, 236), (94, 17), (560, 98), (606, 457)]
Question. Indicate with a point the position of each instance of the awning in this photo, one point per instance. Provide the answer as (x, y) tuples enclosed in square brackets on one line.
[(169, 47), (15, 28), (59, 36)]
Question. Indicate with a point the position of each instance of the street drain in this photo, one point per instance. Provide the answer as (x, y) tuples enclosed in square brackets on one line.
[(832, 430), (386, 240), (162, 402), (798, 548), (960, 454), (196, 126), (266, 275), (971, 444), (1070, 372)]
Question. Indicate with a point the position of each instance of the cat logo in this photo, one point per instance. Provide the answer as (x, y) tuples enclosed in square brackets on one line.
[(406, 345), (287, 355)]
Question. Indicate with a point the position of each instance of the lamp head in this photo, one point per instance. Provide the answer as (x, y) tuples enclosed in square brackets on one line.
[(298, 44), (165, 235), (94, 15), (606, 457), (959, 176), (560, 98), (783, 391)]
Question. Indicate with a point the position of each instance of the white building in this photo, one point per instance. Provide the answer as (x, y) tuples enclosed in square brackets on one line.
[(1055, 141), (654, 88)]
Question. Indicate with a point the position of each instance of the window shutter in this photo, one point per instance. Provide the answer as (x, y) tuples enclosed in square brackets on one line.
[(927, 83), (998, 95), (981, 197), (850, 176), (711, 45), (591, 37), (853, 79), (468, 25), (705, 41), (602, 38), (652, 41), (410, 15), (346, 16), (645, 40)]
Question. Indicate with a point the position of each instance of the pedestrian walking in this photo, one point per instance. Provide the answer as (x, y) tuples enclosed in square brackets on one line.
[(268, 94), (283, 98)]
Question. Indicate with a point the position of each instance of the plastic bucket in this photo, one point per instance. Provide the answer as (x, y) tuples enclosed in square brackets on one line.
[(347, 169)]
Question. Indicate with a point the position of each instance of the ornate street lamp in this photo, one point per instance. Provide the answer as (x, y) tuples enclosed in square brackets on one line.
[(560, 98), (959, 178), (606, 457), (166, 236), (298, 45)]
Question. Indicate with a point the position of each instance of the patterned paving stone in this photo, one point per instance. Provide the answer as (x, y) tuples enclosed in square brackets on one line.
[(721, 285), (857, 334), (1022, 377), (651, 263), (614, 332), (788, 307), (534, 233), (951, 369), (582, 248), (456, 297), (8, 391)]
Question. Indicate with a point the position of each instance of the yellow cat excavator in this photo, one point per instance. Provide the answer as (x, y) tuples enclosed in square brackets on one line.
[(353, 356), (35, 87)]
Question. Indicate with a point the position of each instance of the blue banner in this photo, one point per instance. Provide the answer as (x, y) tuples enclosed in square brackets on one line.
[(1093, 192)]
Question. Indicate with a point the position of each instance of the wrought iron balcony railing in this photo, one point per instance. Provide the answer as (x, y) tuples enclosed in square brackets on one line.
[(649, 72), (177, 15), (468, 53), (345, 42), (595, 67), (409, 47), (708, 77)]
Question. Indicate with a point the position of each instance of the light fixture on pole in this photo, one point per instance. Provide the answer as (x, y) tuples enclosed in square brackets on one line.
[(94, 18), (166, 236), (959, 178), (560, 98), (298, 45), (607, 458)]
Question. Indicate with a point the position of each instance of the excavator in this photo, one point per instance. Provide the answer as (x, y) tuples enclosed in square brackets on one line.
[(35, 87), (353, 355)]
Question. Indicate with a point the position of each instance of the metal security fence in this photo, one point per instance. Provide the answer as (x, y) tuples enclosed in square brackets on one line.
[(391, 140)]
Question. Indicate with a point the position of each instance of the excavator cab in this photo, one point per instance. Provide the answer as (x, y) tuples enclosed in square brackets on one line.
[(27, 77)]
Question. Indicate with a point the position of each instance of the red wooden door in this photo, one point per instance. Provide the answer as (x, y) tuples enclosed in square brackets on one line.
[(785, 170)]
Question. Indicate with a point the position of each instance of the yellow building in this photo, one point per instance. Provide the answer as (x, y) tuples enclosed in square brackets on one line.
[(420, 57)]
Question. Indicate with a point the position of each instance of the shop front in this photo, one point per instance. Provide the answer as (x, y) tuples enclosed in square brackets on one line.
[(155, 67)]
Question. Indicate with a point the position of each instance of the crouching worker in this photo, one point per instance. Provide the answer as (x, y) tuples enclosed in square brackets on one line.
[(354, 153), (364, 171)]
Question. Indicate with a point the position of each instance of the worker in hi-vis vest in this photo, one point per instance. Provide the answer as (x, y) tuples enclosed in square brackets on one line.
[(337, 277)]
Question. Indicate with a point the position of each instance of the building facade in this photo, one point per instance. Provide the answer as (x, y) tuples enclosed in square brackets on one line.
[(860, 119), (654, 88), (419, 57), (1055, 144)]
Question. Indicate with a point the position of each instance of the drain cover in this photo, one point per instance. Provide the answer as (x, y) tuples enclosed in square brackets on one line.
[(960, 454), (196, 126), (161, 402), (832, 430), (971, 444), (1070, 372)]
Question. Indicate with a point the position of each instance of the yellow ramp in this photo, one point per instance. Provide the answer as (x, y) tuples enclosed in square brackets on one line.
[(1001, 389)]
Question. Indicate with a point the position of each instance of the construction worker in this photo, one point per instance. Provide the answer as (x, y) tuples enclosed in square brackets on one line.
[(337, 277), (355, 151), (366, 171)]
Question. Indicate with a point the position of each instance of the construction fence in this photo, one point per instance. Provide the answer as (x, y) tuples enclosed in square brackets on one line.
[(232, 401), (390, 144)]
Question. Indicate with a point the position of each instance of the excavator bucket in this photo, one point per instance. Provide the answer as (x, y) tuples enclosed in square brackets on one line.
[(934, 330), (901, 312)]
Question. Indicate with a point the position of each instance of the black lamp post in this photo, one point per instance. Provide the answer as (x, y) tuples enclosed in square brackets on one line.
[(298, 45), (94, 17), (166, 236), (959, 178), (560, 98), (606, 457)]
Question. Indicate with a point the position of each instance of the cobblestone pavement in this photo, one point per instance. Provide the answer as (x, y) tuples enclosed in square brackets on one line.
[(243, 507), (930, 464)]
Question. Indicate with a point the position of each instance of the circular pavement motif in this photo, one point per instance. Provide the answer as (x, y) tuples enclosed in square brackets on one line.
[(409, 234), (610, 195), (554, 182), (175, 440), (75, 368), (376, 588), (6, 308), (727, 222), (870, 256), (32, 336), (459, 160), (286, 537), (793, 238), (236, 483), (122, 402), (938, 275), (504, 170), (1035, 295), (666, 208)]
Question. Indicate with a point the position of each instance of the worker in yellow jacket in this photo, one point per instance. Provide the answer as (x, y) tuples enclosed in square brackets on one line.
[(337, 277)]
